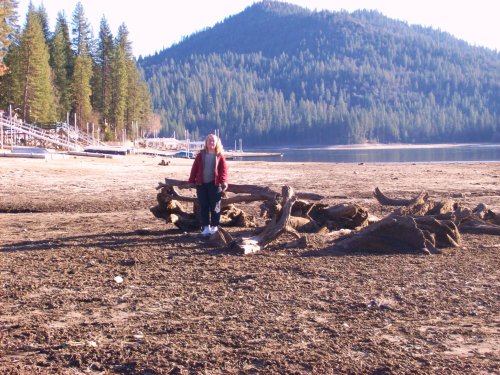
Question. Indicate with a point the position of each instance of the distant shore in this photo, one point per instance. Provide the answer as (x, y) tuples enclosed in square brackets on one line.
[(382, 146)]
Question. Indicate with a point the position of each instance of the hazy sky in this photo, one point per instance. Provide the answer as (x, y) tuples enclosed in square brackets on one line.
[(157, 24)]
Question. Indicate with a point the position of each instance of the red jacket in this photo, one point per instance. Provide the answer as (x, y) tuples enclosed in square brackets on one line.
[(196, 176)]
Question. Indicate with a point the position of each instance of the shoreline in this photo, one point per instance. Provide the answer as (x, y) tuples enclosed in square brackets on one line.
[(366, 153), (233, 158), (382, 146)]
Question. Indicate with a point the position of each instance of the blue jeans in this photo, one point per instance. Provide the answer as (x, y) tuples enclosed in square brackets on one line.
[(209, 197)]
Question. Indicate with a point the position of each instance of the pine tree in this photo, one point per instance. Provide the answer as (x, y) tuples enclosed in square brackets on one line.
[(119, 90), (144, 104), (138, 99), (41, 13), (82, 34), (8, 28), (81, 89), (102, 81), (132, 109), (61, 62), (31, 74), (82, 72)]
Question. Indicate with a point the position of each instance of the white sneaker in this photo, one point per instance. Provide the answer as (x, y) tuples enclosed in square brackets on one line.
[(213, 230), (206, 231)]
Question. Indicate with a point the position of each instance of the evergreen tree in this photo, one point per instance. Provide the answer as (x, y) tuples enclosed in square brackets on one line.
[(41, 13), (138, 102), (132, 110), (82, 33), (81, 88), (123, 41), (138, 99), (120, 97), (119, 91), (83, 68), (61, 62), (8, 28), (102, 81), (30, 79)]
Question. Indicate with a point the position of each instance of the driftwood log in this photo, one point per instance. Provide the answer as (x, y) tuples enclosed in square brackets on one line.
[(274, 228), (421, 225), (481, 221), (287, 212), (418, 224), (386, 201), (171, 204), (391, 234)]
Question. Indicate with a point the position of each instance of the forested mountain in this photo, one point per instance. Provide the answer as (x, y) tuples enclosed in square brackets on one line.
[(281, 74)]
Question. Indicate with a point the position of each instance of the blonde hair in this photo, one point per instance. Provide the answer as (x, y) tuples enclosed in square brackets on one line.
[(219, 149)]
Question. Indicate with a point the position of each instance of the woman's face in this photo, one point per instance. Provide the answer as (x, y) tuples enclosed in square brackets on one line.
[(211, 143)]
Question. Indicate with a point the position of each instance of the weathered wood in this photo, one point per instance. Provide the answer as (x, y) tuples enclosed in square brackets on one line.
[(445, 232), (428, 207), (171, 191), (418, 224), (264, 193), (443, 207), (391, 234), (477, 226), (386, 201), (224, 201), (232, 216), (222, 238), (274, 229), (303, 224), (484, 213), (335, 217), (184, 223), (167, 207), (349, 216)]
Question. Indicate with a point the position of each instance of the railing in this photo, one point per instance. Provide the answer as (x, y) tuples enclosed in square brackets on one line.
[(73, 140), (82, 138)]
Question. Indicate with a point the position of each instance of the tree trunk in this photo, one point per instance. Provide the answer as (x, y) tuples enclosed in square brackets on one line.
[(274, 228)]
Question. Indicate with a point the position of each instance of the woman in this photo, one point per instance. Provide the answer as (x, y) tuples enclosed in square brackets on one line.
[(209, 173)]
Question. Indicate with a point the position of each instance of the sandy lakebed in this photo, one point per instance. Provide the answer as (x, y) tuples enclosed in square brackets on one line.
[(92, 282)]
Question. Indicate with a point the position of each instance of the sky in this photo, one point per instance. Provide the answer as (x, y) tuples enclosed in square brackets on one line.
[(157, 24)]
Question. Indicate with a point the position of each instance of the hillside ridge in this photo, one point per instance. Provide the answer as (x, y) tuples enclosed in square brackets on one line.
[(279, 72)]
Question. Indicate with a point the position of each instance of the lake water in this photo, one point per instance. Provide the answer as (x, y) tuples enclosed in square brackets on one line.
[(415, 154)]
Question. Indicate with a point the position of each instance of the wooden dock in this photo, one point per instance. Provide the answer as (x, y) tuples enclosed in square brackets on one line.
[(243, 154)]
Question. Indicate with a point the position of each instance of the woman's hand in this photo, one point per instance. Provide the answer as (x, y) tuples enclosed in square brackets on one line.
[(224, 186)]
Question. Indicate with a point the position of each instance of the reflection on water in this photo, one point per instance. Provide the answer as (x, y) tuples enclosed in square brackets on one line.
[(467, 153)]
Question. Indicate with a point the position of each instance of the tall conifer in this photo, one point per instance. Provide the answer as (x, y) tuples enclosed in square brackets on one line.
[(102, 81), (31, 81), (61, 61), (41, 13), (82, 90), (82, 73), (8, 28), (119, 90), (82, 33)]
